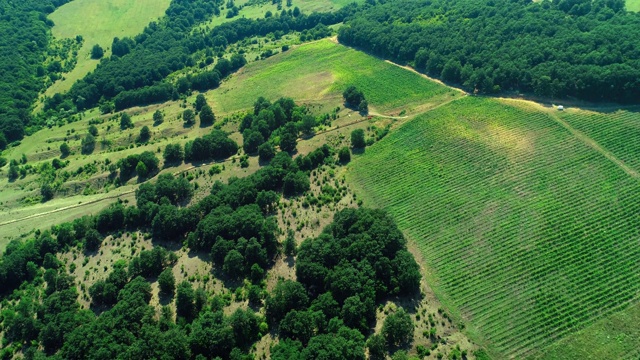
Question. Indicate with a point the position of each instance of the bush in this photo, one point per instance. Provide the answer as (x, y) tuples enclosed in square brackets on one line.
[(167, 282), (65, 150), (357, 139), (97, 52), (88, 144), (266, 152), (344, 155)]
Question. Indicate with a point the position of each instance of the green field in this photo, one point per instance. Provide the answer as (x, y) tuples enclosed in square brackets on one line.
[(99, 22), (324, 69), (617, 132), (633, 5), (259, 11), (529, 234)]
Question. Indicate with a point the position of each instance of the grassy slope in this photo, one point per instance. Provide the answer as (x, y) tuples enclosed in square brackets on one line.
[(516, 219), (613, 131), (99, 21), (633, 5), (288, 74), (323, 70)]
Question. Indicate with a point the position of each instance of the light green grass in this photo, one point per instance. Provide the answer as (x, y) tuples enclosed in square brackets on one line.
[(529, 234), (324, 69), (633, 5), (99, 21), (614, 337), (617, 132), (259, 11)]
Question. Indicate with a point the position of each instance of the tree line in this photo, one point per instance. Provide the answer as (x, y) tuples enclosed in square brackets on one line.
[(561, 48)]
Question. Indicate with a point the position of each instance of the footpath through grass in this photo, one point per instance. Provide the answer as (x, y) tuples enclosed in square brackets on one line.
[(323, 70), (99, 21), (530, 235)]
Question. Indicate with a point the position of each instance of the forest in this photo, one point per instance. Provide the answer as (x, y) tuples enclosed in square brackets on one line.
[(562, 48), (25, 37)]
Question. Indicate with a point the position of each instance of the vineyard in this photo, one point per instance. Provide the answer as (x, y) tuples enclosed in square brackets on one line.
[(529, 234), (618, 132)]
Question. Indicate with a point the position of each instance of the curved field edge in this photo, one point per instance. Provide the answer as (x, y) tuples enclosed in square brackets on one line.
[(520, 222), (99, 22)]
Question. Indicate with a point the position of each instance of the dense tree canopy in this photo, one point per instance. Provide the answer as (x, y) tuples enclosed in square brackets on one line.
[(581, 48)]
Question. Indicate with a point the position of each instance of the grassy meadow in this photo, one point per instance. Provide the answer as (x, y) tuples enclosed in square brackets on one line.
[(322, 70), (99, 22), (529, 234), (633, 5)]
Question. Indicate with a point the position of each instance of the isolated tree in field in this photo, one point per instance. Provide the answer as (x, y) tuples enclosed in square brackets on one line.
[(88, 144), (290, 246), (93, 130), (125, 121), (145, 134), (206, 116), (200, 102), (65, 150), (97, 52), (173, 153), (266, 152), (167, 282), (188, 117), (357, 139), (344, 155), (352, 97), (14, 170), (398, 328), (47, 192), (158, 118)]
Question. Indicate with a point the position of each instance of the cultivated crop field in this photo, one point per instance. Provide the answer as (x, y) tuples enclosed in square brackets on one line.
[(323, 69), (99, 21), (618, 132), (529, 234)]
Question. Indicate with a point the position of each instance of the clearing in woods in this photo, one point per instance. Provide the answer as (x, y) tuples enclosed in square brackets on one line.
[(322, 70), (529, 233), (633, 5), (99, 21)]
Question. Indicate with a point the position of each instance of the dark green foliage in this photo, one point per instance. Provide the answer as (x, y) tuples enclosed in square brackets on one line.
[(65, 150), (552, 49), (131, 162), (296, 183), (93, 130), (125, 121), (92, 240), (357, 139), (13, 172), (206, 116), (173, 154), (200, 102), (251, 141), (88, 144), (344, 155), (286, 296), (189, 117), (158, 117), (211, 335), (149, 263), (234, 263), (398, 328), (185, 298), (300, 325), (145, 134), (268, 201), (307, 124), (216, 145), (47, 191), (353, 97), (290, 247), (266, 152), (288, 141), (97, 52), (245, 325), (377, 347), (363, 107), (25, 41)]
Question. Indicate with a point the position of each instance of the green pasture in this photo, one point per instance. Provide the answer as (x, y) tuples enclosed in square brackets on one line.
[(633, 5), (529, 234), (99, 22), (322, 70)]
